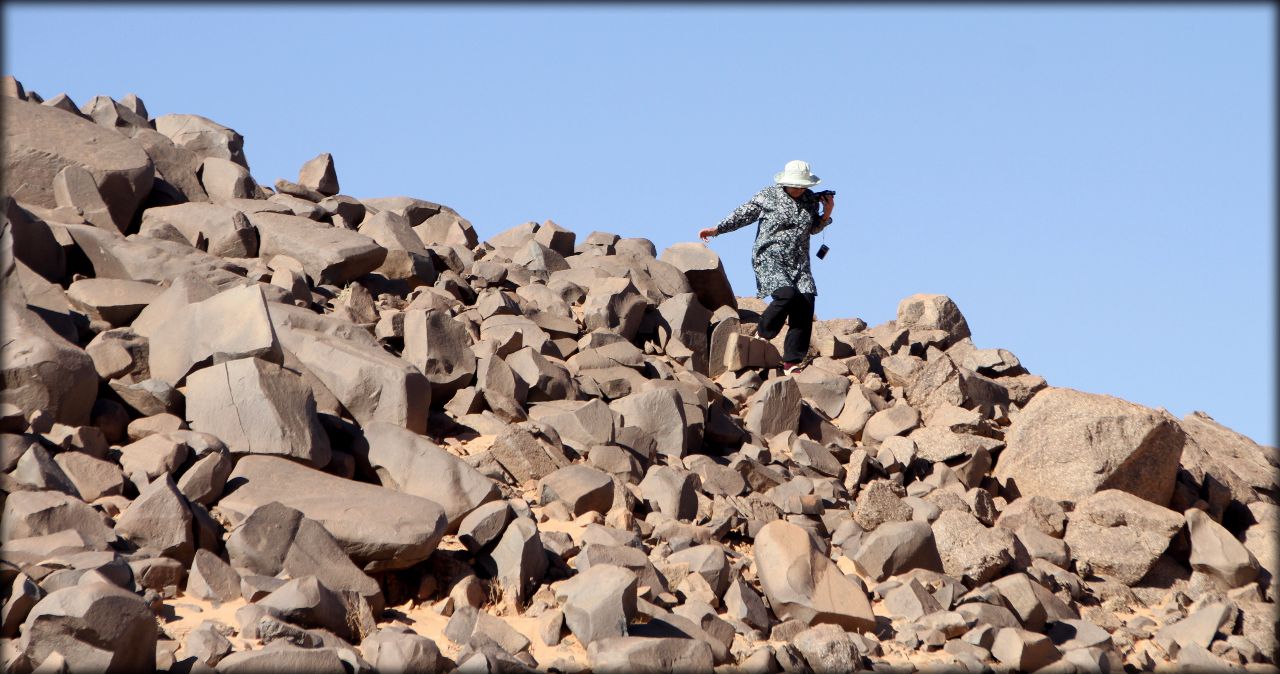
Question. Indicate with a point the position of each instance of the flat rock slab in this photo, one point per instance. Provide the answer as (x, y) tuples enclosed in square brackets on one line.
[(379, 528), (328, 254), (1066, 445), (115, 301)]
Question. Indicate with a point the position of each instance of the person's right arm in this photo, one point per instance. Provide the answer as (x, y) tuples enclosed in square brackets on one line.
[(739, 218)]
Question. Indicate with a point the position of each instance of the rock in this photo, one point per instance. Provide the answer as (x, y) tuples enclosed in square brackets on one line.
[(399, 649), (41, 141), (332, 255), (1023, 650), (706, 274), (94, 626), (159, 519), (37, 513), (894, 548), (659, 412), (469, 626), (318, 174), (203, 136), (225, 231), (1037, 512), (937, 444), (306, 602), (1066, 445), (23, 595), (75, 190), (223, 180), (440, 347), (92, 478), (933, 312), (1197, 628), (671, 492), (276, 539), (614, 304), (581, 488), (275, 412), (206, 644), (880, 501), (599, 602), (482, 527), (200, 331), (828, 649), (1114, 533), (543, 379), (526, 455), (968, 549), (520, 559), (204, 480), (1031, 602), (408, 462), (800, 583), (212, 579), (649, 655), (379, 528), (1218, 553), (282, 660), (774, 408), (43, 371), (1244, 467), (37, 470), (891, 421), (407, 259), (910, 601)]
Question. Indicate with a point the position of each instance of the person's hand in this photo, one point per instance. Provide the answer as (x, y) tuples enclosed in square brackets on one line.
[(706, 234), (828, 203)]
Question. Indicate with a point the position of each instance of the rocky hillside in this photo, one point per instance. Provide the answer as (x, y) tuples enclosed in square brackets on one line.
[(250, 428)]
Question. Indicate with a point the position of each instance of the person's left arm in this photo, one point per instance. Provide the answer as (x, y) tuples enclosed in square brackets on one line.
[(828, 202)]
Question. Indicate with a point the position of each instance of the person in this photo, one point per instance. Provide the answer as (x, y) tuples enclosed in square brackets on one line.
[(788, 215)]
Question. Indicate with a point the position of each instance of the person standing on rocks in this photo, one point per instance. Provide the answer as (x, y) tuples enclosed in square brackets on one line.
[(788, 214)]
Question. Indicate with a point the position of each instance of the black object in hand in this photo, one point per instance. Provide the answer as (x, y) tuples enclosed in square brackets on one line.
[(822, 251), (824, 193)]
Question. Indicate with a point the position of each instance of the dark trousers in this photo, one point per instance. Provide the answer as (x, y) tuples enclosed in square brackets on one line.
[(794, 308)]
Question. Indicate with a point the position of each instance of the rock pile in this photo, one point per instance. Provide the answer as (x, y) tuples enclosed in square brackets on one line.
[(251, 429)]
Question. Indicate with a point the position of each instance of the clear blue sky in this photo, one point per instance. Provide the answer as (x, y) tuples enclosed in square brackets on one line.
[(1091, 184)]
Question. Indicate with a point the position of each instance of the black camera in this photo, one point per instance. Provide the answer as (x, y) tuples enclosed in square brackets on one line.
[(822, 251), (824, 193)]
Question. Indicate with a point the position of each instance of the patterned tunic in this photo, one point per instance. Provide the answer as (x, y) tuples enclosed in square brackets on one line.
[(780, 256)]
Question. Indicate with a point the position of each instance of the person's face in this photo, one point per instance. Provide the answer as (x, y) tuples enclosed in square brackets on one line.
[(795, 192)]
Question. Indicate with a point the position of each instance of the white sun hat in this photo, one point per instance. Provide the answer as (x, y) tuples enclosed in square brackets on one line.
[(796, 174)]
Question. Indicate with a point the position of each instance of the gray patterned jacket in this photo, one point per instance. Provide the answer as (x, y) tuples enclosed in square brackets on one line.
[(780, 256)]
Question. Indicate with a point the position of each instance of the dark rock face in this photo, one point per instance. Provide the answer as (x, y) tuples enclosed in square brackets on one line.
[(359, 418)]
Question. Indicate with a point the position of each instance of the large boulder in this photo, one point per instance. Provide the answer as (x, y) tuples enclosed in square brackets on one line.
[(95, 627), (203, 137), (42, 371), (328, 254), (372, 384), (230, 325), (225, 231), (1116, 534), (1245, 468), (705, 272), (1066, 445), (923, 311), (40, 141), (257, 407), (381, 529), (440, 347), (803, 584), (408, 462)]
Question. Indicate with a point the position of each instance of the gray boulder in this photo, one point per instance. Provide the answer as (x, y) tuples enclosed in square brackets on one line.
[(41, 141), (599, 602), (274, 411), (95, 627), (1114, 533), (803, 584), (1066, 445), (408, 462), (328, 254), (379, 528), (42, 371), (705, 272)]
